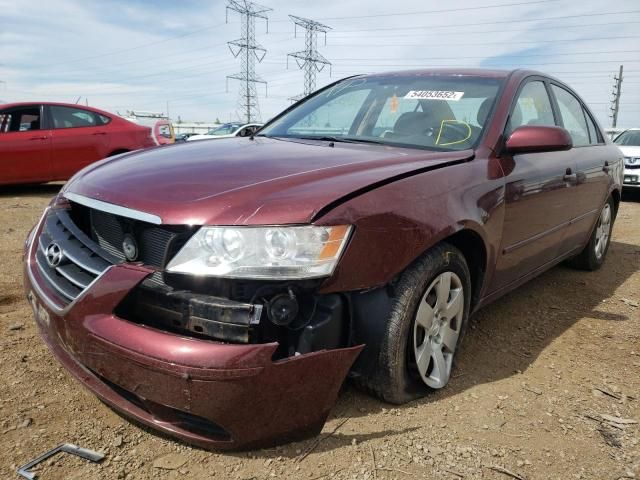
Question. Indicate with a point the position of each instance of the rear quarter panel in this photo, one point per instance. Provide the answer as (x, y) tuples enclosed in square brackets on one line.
[(128, 136)]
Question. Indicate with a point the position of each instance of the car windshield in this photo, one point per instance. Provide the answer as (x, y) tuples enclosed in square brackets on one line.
[(436, 112), (226, 129), (630, 138)]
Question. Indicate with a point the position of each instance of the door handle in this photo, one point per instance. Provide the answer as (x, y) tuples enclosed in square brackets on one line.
[(570, 177), (42, 137), (606, 167), (99, 133)]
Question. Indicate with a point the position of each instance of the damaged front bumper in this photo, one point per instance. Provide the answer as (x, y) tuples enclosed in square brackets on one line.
[(211, 394)]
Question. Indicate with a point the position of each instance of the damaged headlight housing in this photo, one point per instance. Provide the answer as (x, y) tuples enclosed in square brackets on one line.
[(274, 253)]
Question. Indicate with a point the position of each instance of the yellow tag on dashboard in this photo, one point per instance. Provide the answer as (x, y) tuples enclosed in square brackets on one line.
[(393, 104)]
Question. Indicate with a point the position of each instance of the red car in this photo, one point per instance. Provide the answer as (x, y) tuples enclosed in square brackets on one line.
[(221, 291), (43, 142)]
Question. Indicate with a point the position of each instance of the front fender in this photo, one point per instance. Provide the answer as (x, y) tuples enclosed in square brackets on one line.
[(398, 222)]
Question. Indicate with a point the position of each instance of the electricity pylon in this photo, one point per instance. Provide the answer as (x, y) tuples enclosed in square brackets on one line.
[(248, 50), (309, 59)]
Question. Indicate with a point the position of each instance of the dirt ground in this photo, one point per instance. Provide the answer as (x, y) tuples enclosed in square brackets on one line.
[(547, 387)]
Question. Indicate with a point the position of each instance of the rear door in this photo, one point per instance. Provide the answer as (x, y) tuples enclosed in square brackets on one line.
[(539, 194), (25, 145), (590, 154), (78, 139)]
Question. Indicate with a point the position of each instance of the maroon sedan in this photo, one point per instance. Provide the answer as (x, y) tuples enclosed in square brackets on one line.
[(43, 142), (221, 291)]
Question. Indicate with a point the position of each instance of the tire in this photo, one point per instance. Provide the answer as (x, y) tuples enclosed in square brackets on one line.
[(413, 326), (594, 253)]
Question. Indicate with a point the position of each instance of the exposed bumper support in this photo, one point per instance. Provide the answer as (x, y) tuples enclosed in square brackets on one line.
[(214, 395)]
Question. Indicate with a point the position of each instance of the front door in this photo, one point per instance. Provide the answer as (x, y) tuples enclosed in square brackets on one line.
[(25, 146), (539, 192)]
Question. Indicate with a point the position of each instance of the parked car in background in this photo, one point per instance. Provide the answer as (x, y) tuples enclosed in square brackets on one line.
[(228, 130), (160, 124), (629, 143), (43, 142), (183, 137), (221, 291), (613, 132)]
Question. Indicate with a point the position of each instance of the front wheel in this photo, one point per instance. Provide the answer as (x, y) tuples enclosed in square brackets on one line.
[(593, 255), (430, 310)]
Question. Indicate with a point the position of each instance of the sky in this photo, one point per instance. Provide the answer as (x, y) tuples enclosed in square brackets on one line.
[(164, 55)]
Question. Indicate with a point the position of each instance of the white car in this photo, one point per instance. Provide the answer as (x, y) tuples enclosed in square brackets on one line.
[(629, 142), (228, 130)]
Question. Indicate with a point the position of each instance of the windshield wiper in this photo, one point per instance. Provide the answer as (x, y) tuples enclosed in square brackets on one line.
[(364, 140), (322, 138), (328, 138)]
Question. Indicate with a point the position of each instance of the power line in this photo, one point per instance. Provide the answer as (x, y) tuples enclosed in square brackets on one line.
[(249, 51), (478, 44), (433, 11), (439, 34), (309, 59), (340, 33), (504, 54), (495, 22), (137, 47)]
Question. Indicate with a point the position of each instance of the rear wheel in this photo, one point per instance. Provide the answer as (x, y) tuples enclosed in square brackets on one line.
[(430, 310), (593, 255)]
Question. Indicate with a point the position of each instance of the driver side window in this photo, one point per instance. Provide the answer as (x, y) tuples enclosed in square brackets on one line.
[(533, 107)]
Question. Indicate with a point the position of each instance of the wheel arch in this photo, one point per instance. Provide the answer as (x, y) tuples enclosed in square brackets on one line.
[(474, 250), (118, 151), (616, 195)]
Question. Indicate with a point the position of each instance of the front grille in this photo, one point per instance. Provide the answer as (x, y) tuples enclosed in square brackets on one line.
[(156, 243), (632, 162), (81, 262), (92, 240)]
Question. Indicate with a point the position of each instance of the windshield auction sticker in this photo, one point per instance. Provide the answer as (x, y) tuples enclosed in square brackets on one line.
[(434, 95)]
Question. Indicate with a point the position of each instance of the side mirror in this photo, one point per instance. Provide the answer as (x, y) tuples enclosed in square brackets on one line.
[(538, 138)]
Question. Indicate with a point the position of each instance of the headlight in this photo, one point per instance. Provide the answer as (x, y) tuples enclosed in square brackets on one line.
[(262, 252)]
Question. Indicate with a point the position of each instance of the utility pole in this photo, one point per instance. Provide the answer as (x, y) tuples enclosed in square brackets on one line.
[(309, 59), (615, 101), (248, 51)]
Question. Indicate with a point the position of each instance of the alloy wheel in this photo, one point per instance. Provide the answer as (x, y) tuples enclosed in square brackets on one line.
[(603, 231), (436, 329)]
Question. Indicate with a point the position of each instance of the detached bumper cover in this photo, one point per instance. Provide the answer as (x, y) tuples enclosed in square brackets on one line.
[(213, 395)]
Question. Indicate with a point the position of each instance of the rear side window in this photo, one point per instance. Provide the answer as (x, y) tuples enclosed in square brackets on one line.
[(573, 118), (533, 107), (594, 134), (68, 117), (20, 120)]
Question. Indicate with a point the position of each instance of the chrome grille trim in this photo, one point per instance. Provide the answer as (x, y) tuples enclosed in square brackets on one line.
[(112, 208), (83, 262)]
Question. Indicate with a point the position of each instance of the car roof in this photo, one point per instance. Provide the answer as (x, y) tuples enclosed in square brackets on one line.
[(428, 72), (60, 104), (463, 72)]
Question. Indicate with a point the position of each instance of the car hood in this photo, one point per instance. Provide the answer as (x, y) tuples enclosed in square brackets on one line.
[(629, 150), (238, 181)]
